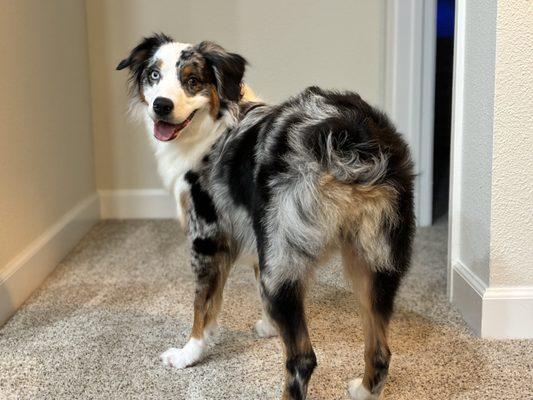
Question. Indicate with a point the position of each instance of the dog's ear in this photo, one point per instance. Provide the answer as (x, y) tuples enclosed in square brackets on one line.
[(144, 50), (228, 69), (137, 60)]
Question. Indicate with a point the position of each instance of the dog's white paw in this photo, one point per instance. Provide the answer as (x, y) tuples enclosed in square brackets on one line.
[(265, 329), (357, 391), (190, 354)]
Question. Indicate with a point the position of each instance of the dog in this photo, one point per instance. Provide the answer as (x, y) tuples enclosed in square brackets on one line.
[(280, 186)]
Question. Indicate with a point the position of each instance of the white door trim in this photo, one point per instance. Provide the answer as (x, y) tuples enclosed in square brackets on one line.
[(456, 142), (410, 86)]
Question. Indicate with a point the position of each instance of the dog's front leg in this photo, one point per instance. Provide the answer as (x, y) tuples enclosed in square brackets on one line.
[(211, 272)]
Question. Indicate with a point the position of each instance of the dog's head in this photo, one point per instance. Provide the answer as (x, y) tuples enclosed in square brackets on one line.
[(178, 83)]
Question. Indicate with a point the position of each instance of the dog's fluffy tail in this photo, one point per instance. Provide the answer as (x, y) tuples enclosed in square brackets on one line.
[(351, 164), (349, 153)]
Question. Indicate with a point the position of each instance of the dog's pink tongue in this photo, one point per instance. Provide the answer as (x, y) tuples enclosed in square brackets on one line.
[(164, 131)]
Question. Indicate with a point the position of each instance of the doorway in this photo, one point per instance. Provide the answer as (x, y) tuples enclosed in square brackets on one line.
[(445, 19)]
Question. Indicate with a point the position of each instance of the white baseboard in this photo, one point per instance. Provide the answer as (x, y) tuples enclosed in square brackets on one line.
[(508, 313), (26, 272), (467, 294), (492, 312), (137, 204)]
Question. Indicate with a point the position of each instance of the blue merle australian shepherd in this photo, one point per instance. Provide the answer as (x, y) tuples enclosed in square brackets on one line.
[(281, 187)]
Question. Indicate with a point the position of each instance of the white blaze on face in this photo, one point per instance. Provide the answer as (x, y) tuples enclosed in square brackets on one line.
[(169, 85)]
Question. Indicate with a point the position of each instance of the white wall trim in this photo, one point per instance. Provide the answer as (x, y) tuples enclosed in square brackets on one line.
[(26, 272), (427, 111), (456, 161), (137, 204), (507, 313), (492, 312), (467, 295), (409, 88)]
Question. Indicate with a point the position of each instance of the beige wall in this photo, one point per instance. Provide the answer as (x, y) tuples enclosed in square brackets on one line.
[(491, 253), (512, 178), (496, 188), (289, 44), (476, 148), (46, 163)]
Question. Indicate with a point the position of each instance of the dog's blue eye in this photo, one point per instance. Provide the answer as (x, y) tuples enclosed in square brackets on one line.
[(154, 75)]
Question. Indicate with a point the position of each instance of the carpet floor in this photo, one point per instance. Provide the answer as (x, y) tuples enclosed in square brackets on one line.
[(96, 327)]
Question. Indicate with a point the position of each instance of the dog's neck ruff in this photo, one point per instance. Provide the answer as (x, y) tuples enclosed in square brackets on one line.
[(178, 156)]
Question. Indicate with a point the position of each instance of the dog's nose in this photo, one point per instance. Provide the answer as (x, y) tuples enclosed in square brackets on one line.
[(163, 106)]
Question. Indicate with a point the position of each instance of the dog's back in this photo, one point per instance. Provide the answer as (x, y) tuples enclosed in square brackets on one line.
[(318, 169)]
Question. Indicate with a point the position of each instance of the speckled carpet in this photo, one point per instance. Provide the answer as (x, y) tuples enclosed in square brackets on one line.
[(95, 330)]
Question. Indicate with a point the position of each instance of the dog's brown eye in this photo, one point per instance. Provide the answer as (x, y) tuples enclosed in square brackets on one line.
[(192, 81)]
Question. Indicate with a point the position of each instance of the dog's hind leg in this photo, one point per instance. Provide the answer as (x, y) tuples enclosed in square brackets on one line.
[(285, 306), (376, 284), (377, 230), (211, 268), (375, 292), (264, 327)]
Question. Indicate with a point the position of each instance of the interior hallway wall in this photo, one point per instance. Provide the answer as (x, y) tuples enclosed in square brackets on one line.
[(46, 151), (512, 177), (47, 186), (289, 45), (491, 256), (475, 184)]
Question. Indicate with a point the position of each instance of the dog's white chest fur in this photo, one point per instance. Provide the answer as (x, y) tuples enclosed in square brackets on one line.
[(176, 157)]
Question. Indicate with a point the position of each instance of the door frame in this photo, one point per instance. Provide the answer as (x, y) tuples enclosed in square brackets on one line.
[(456, 141), (410, 88)]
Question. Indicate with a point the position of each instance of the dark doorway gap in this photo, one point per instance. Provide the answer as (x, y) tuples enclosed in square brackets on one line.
[(443, 107)]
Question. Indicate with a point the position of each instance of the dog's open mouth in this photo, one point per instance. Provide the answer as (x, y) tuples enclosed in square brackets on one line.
[(165, 131)]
